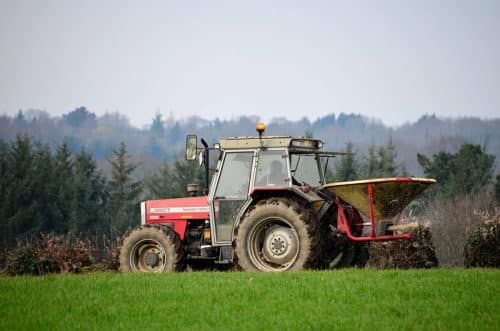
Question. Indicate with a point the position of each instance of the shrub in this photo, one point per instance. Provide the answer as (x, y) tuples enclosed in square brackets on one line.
[(110, 255), (417, 252), (3, 257), (21, 260), (483, 245), (451, 222), (48, 253)]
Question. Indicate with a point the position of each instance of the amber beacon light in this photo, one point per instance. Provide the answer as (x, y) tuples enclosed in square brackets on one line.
[(260, 127)]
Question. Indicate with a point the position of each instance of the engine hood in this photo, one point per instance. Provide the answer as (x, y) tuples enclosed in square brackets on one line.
[(175, 209)]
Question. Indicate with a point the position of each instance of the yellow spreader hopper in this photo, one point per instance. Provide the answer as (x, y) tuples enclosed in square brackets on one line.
[(380, 199)]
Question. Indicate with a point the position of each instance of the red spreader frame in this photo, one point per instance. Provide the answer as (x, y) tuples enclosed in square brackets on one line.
[(344, 224)]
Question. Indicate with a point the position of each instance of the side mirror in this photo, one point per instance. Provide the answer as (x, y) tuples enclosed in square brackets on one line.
[(191, 149)]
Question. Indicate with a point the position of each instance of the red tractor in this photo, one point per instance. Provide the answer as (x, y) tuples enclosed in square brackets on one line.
[(267, 208)]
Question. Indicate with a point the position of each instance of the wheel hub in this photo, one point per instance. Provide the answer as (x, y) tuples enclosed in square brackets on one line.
[(147, 255), (151, 258), (280, 245)]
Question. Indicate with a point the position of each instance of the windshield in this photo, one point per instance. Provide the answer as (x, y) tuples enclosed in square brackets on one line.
[(272, 169), (305, 169)]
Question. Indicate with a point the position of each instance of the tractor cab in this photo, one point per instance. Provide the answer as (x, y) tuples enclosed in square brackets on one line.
[(252, 167)]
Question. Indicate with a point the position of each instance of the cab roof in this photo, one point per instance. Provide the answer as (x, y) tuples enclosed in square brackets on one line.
[(271, 142)]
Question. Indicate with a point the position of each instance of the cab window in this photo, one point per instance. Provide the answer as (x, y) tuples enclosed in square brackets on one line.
[(235, 176), (272, 169), (305, 169)]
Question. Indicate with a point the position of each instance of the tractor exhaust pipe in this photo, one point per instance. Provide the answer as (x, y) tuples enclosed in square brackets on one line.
[(207, 163)]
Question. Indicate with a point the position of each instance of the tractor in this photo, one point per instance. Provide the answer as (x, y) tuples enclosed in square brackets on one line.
[(267, 208)]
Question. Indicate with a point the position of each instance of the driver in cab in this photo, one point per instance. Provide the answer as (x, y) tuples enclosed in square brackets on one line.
[(275, 176)]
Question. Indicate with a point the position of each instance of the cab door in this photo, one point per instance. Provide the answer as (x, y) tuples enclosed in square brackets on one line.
[(231, 193)]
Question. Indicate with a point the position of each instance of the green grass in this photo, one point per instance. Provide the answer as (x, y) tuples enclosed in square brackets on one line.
[(439, 299)]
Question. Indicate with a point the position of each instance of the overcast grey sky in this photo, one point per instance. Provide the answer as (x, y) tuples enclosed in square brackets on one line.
[(392, 60)]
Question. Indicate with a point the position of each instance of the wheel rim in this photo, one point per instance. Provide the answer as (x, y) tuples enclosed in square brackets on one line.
[(273, 244), (148, 255)]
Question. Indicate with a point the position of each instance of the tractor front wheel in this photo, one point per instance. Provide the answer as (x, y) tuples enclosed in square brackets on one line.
[(151, 249), (275, 235)]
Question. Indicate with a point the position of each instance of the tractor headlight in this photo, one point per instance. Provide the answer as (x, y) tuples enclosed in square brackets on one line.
[(307, 143)]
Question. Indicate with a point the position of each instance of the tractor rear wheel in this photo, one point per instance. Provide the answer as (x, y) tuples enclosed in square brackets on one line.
[(151, 249), (277, 234)]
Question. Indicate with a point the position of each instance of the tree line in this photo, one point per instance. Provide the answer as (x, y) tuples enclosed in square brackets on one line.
[(469, 171), (163, 136), (64, 192), (44, 190), (378, 162)]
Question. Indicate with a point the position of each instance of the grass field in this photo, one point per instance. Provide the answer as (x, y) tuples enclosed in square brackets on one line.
[(443, 299)]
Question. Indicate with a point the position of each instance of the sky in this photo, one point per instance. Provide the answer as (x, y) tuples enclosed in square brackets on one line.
[(390, 60)]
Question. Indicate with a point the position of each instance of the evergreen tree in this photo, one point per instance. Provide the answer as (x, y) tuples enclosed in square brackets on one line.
[(371, 164), (387, 166), (88, 212), (160, 185), (347, 169), (124, 191), (466, 172), (381, 162), (80, 117), (172, 181), (63, 186), (157, 128), (439, 168), (175, 133), (404, 172), (157, 137), (20, 119), (473, 169), (42, 177), (28, 197), (186, 173), (40, 191), (4, 182), (19, 192)]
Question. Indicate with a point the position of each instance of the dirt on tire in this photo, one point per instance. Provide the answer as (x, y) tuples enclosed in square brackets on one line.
[(298, 217)]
